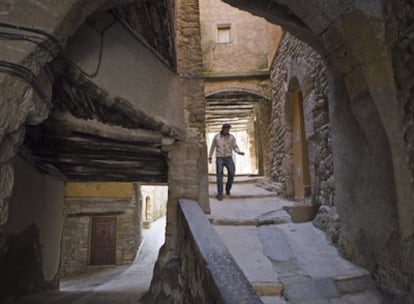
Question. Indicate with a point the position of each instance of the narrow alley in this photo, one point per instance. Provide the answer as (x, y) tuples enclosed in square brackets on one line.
[(286, 262)]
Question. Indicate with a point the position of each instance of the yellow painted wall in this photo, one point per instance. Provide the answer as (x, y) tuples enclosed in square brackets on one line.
[(93, 189)]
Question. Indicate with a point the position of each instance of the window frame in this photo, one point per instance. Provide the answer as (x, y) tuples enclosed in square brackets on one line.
[(223, 27)]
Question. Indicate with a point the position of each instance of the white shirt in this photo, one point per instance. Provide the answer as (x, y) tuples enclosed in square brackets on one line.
[(224, 145)]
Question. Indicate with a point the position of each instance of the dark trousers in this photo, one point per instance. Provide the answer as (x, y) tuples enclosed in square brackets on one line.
[(222, 162)]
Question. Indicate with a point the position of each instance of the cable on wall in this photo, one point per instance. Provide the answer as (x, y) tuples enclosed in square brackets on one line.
[(23, 72)]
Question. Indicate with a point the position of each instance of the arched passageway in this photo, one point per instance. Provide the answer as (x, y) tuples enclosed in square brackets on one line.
[(369, 149), (95, 95), (365, 47), (248, 112)]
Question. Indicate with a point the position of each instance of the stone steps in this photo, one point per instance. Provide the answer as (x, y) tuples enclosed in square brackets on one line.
[(285, 261)]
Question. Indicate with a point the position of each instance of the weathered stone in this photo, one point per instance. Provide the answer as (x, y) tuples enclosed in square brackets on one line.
[(308, 290), (6, 181), (327, 220), (301, 212), (79, 213), (268, 288), (298, 61)]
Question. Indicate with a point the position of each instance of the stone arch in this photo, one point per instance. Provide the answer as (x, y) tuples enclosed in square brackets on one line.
[(28, 105), (257, 124), (346, 37), (365, 118), (29, 109), (297, 68)]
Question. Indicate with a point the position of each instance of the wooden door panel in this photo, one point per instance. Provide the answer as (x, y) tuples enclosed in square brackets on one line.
[(301, 176), (103, 241)]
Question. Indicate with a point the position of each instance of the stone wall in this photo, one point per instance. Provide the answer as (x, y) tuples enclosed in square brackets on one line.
[(397, 266), (263, 128), (250, 42), (187, 160), (29, 242), (296, 62), (76, 240), (158, 197), (400, 38), (206, 271)]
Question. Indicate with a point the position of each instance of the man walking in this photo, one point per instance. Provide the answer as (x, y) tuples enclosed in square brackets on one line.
[(224, 143)]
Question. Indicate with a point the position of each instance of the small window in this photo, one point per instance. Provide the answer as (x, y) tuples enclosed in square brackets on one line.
[(223, 34)]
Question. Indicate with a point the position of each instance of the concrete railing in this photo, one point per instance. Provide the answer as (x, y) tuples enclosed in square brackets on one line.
[(210, 272)]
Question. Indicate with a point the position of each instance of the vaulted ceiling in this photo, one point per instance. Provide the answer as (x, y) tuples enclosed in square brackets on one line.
[(236, 107)]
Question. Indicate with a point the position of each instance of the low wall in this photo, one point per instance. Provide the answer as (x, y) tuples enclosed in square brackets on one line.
[(206, 271)]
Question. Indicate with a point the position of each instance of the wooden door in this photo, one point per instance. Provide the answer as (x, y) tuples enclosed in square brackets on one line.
[(301, 176), (103, 241)]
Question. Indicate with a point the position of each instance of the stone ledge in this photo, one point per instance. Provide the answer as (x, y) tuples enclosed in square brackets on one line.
[(226, 275), (268, 288), (247, 222)]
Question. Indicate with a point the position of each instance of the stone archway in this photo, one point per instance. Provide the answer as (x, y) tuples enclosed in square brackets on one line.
[(248, 111), (21, 104), (371, 171), (298, 65)]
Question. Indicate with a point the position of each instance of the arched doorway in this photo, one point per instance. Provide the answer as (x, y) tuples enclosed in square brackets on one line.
[(300, 159), (148, 211), (249, 113)]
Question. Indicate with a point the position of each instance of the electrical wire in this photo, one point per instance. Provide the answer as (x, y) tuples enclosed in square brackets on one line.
[(52, 38), (98, 66), (40, 41), (23, 72), (43, 39)]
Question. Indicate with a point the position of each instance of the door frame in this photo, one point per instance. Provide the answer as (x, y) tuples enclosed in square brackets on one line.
[(113, 219)]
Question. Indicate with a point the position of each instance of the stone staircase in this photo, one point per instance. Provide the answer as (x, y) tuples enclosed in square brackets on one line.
[(285, 261)]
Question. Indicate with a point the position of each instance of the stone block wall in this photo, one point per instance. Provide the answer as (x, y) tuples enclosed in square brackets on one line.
[(297, 62), (263, 135), (396, 269), (206, 271), (158, 196), (250, 42), (75, 245), (77, 230), (399, 16)]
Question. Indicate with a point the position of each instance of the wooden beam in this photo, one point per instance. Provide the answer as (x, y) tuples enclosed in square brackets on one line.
[(98, 129)]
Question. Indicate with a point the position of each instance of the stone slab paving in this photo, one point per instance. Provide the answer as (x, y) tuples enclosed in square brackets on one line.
[(242, 243), (274, 300), (248, 209), (316, 256), (242, 190), (294, 257)]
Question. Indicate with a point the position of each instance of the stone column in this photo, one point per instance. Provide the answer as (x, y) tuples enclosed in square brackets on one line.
[(187, 160)]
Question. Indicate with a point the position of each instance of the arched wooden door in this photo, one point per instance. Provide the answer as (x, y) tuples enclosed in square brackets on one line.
[(301, 176)]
